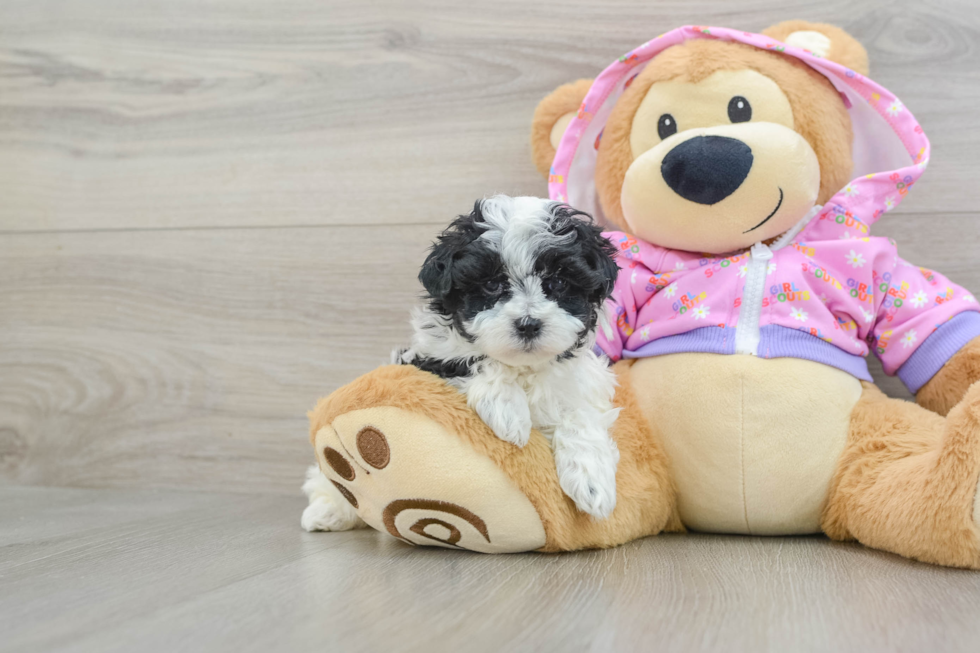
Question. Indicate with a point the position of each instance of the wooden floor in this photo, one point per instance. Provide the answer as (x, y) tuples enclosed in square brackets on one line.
[(212, 213), (117, 570)]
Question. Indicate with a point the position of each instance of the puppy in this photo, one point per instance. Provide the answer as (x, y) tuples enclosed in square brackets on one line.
[(515, 291)]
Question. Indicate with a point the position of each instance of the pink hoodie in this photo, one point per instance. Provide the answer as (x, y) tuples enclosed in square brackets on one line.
[(826, 290)]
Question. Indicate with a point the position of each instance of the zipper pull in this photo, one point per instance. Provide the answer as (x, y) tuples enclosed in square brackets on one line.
[(761, 251)]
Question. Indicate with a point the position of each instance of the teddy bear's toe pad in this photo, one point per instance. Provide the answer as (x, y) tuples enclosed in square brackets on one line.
[(409, 477)]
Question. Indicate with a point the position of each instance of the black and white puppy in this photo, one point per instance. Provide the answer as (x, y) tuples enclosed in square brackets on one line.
[(515, 292)]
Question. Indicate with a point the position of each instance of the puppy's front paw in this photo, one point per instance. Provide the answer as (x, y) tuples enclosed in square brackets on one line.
[(587, 474), (508, 416), (328, 510), (326, 514), (402, 356)]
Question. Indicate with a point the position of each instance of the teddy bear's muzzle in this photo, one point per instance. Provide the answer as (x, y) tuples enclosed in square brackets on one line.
[(721, 188)]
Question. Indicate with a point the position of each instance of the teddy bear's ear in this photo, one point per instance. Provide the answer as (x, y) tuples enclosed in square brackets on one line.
[(551, 117), (828, 41)]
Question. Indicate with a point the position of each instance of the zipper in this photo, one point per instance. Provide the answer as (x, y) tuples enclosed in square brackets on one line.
[(748, 332)]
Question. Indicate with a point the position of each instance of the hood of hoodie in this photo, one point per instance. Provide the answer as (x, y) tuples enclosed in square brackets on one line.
[(890, 151)]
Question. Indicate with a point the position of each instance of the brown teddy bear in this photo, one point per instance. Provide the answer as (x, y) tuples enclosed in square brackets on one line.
[(745, 171)]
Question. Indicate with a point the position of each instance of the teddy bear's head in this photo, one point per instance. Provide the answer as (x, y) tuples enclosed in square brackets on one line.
[(716, 145)]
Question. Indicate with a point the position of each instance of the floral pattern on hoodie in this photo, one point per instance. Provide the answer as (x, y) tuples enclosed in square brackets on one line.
[(856, 294), (833, 294)]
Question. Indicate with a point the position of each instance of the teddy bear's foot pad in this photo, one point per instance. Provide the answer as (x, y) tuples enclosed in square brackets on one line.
[(408, 476)]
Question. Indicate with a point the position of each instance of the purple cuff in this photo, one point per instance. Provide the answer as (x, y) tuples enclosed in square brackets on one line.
[(938, 348)]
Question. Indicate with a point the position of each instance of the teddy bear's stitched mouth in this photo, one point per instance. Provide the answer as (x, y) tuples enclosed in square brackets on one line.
[(780, 203)]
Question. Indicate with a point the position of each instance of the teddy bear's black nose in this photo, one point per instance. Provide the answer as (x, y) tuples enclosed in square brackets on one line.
[(707, 169)]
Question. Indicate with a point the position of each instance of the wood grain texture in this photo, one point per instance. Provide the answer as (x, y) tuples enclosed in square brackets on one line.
[(180, 113), (189, 359), (114, 570), (213, 212)]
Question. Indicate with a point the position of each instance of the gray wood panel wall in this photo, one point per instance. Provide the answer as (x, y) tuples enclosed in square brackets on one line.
[(211, 213)]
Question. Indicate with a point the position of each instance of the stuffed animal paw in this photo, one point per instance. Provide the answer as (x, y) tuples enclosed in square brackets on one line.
[(411, 459)]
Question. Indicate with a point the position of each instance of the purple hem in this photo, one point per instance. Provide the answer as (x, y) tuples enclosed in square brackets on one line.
[(706, 340), (784, 342), (775, 342), (938, 348)]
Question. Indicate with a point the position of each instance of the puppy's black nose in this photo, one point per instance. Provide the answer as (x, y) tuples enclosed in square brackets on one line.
[(707, 169), (528, 328)]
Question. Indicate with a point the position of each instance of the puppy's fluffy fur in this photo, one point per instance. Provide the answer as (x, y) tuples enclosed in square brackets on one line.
[(516, 289), (515, 292)]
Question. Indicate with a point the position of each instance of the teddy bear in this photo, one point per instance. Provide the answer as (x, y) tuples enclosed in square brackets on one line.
[(740, 174)]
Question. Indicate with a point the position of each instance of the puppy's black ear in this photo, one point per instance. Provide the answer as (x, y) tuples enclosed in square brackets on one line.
[(600, 254), (596, 250), (436, 274), (605, 254)]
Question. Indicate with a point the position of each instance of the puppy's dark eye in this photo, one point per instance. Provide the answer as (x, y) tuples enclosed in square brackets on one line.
[(553, 285), (493, 286), (739, 109), (666, 126)]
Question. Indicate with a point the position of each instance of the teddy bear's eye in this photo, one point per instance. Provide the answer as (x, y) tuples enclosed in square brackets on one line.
[(739, 109), (666, 126)]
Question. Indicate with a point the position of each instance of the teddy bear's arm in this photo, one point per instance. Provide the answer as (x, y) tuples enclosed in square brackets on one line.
[(951, 382), (638, 280), (922, 320)]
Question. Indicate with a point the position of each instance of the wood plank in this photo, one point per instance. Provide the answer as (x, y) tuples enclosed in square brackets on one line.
[(186, 113), (118, 570), (187, 359)]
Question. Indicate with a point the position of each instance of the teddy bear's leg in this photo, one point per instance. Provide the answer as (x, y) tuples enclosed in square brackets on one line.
[(415, 461), (907, 480)]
